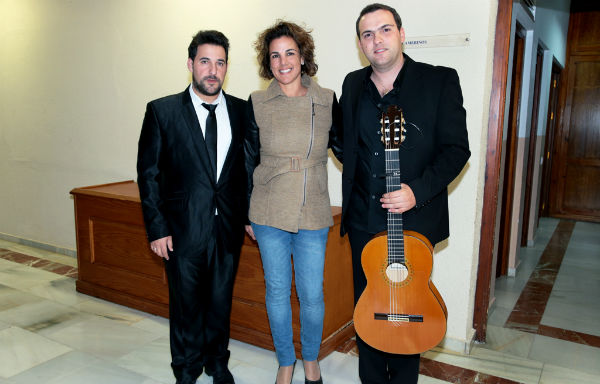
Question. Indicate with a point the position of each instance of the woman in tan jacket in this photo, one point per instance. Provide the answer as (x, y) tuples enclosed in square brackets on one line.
[(286, 148)]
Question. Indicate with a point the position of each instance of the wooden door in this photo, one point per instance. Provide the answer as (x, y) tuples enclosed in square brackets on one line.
[(531, 158), (544, 207), (510, 155), (576, 162)]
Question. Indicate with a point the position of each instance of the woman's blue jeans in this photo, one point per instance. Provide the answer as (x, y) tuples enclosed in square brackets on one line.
[(308, 247)]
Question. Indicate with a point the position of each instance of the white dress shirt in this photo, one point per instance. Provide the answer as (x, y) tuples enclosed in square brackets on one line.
[(223, 125)]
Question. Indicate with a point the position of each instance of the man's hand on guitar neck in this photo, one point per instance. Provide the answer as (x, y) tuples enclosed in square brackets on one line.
[(399, 201)]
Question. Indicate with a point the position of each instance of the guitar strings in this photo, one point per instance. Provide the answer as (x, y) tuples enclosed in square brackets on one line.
[(395, 233)]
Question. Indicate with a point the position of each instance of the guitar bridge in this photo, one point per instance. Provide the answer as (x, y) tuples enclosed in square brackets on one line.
[(399, 317)]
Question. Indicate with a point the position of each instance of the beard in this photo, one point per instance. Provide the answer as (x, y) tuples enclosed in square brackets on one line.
[(201, 86)]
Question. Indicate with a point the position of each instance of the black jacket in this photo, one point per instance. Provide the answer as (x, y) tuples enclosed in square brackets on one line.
[(431, 99), (177, 186)]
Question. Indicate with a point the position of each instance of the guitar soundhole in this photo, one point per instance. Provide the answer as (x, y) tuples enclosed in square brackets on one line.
[(396, 272)]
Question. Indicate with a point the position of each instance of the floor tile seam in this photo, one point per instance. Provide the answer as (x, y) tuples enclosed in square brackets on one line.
[(535, 328), (69, 373), (438, 376), (109, 360), (555, 333), (523, 309), (581, 337), (6, 253), (44, 264), (11, 258), (119, 360), (502, 358), (465, 373), (71, 349), (561, 229), (523, 328)]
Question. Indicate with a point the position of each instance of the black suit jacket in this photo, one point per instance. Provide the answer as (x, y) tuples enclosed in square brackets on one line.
[(177, 186), (431, 99)]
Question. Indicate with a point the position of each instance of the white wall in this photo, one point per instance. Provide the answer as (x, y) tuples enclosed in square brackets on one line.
[(75, 77), (551, 26)]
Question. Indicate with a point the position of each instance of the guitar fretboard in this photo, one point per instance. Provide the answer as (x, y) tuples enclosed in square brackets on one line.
[(394, 220)]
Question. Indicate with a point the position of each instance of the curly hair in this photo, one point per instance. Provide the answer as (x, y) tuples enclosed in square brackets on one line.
[(301, 36)]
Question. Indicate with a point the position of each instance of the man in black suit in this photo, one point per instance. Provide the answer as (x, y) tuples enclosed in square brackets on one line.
[(434, 153), (192, 180)]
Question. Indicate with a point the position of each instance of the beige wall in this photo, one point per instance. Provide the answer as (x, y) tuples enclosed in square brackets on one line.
[(75, 77)]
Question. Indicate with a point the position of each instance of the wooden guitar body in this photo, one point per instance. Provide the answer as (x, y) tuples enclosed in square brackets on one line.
[(400, 310)]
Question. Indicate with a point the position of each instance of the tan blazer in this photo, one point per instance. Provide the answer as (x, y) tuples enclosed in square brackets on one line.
[(290, 182)]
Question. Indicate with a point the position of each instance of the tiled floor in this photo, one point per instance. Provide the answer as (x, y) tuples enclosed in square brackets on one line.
[(544, 327)]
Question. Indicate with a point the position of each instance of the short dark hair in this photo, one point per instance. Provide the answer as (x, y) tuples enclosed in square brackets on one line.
[(376, 7), (208, 37), (301, 36)]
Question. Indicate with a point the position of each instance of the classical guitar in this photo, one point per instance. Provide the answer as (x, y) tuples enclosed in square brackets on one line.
[(400, 310)]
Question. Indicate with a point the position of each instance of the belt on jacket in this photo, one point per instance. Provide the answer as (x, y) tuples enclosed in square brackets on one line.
[(290, 164), (271, 166)]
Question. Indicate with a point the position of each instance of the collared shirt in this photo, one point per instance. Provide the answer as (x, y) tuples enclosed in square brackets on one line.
[(366, 213), (223, 124)]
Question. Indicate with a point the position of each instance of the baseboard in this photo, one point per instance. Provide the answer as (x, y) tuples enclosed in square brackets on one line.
[(530, 243), (39, 245), (460, 346)]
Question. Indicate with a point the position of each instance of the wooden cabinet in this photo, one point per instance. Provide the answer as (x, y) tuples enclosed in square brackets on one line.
[(115, 263)]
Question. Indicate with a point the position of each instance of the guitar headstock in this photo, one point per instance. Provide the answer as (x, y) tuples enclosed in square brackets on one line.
[(392, 127)]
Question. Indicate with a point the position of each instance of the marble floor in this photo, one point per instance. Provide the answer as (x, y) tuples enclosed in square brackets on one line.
[(544, 326)]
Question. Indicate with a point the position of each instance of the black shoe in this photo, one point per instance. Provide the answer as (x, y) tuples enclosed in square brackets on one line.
[(220, 376), (293, 369), (319, 381)]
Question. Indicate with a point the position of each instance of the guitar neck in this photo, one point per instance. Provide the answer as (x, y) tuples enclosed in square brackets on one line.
[(394, 220)]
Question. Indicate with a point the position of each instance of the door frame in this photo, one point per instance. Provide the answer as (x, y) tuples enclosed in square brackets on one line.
[(492, 167), (510, 153), (551, 124), (531, 157)]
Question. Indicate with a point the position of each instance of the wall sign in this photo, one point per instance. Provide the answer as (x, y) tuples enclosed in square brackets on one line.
[(457, 40)]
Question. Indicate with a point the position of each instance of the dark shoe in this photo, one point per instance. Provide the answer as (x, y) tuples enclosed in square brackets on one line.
[(220, 376), (320, 381), (293, 369)]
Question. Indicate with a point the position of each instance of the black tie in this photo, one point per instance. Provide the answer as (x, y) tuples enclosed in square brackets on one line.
[(210, 135)]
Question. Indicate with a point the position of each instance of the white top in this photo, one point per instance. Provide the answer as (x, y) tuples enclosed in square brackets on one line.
[(223, 125)]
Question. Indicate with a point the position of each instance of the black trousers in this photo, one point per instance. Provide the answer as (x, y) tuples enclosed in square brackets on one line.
[(200, 294), (374, 366)]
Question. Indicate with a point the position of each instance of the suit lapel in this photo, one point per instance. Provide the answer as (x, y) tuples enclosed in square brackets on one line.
[(411, 80), (191, 119), (233, 123)]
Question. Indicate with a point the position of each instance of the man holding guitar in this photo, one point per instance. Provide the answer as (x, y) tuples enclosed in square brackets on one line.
[(427, 103)]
